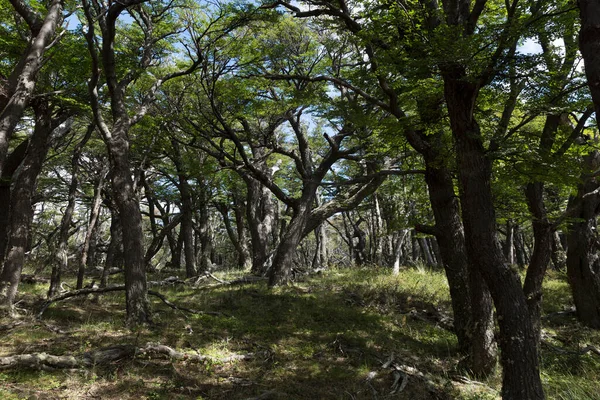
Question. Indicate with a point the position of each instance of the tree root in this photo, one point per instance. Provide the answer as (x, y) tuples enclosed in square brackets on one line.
[(108, 355)]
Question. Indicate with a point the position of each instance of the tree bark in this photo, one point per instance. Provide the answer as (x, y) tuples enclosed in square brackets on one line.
[(91, 229), (115, 247), (13, 162), (261, 222), (21, 211), (62, 251), (23, 78), (471, 301), (137, 306), (518, 342), (583, 261)]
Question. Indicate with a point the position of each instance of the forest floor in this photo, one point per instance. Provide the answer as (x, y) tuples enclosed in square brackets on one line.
[(343, 334)]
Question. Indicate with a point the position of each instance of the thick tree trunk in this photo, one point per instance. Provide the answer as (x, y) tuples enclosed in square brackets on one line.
[(583, 260), (518, 341), (589, 44), (23, 79), (187, 226), (137, 306), (283, 261), (13, 162), (471, 302), (261, 222), (21, 211)]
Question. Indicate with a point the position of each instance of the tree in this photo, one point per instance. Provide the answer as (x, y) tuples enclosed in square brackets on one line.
[(153, 25)]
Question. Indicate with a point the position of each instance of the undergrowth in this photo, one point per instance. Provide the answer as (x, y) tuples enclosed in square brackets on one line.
[(324, 337)]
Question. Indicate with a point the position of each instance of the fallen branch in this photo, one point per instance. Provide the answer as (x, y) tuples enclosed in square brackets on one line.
[(579, 352), (115, 288), (11, 325), (108, 355), (170, 281), (568, 312), (75, 293), (180, 308), (240, 281), (25, 278)]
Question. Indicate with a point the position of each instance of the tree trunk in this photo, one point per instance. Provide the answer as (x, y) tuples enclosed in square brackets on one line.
[(93, 220), (509, 244), (261, 219), (518, 342), (426, 251), (137, 306), (187, 227), (589, 44), (281, 268), (13, 162), (520, 254), (62, 250), (471, 302), (23, 79), (21, 211), (398, 254), (559, 256), (583, 260), (115, 247)]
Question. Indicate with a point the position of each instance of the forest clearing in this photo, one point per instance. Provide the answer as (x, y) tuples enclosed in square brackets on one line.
[(309, 199)]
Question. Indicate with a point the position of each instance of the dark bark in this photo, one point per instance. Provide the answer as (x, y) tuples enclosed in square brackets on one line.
[(261, 223), (12, 163), (542, 236), (518, 342), (284, 256), (137, 306), (187, 211), (21, 204), (520, 253), (583, 260), (205, 249), (589, 45), (236, 236), (473, 317)]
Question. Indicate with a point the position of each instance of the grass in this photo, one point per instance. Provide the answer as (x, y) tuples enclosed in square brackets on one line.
[(325, 337)]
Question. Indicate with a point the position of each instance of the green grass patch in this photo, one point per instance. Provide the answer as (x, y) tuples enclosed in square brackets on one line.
[(325, 337)]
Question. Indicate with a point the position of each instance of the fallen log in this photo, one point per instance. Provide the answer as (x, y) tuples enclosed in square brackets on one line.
[(108, 355)]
